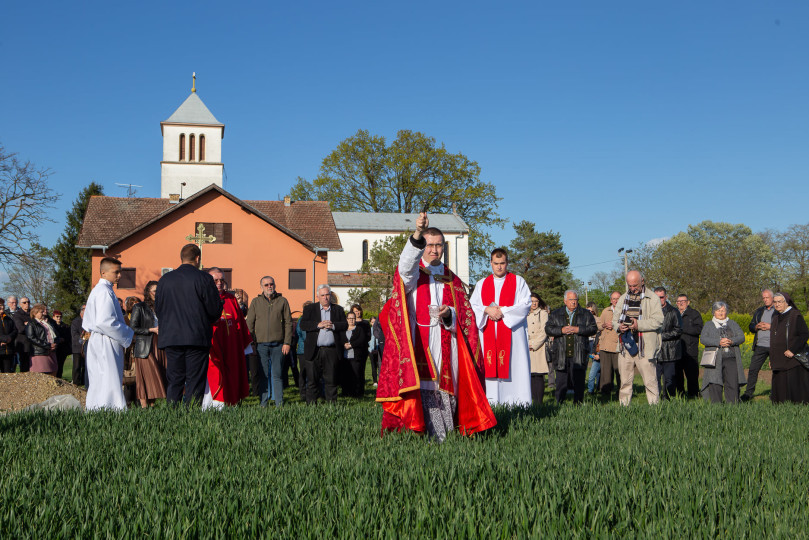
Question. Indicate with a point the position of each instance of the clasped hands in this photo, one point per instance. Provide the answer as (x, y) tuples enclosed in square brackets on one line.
[(567, 330), (326, 324), (725, 342), (494, 313)]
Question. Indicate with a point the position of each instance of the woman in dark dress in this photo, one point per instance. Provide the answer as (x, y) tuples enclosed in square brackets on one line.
[(150, 362), (788, 335), (64, 347)]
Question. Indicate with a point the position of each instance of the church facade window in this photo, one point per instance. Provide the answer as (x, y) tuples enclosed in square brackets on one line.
[(364, 251), (191, 147), (297, 279), (182, 147), (202, 147), (222, 231), (127, 280)]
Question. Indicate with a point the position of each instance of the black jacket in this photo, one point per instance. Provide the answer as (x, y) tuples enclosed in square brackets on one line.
[(141, 319), (793, 324), (75, 336), (587, 327), (670, 334), (187, 304), (38, 337), (64, 347), (757, 314), (309, 321), (8, 334), (360, 338), (692, 328), (21, 318)]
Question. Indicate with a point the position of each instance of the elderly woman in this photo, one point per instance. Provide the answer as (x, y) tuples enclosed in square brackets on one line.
[(537, 319), (722, 336), (788, 335), (44, 341)]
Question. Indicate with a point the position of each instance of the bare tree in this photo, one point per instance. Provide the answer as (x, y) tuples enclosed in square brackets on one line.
[(25, 204), (32, 276)]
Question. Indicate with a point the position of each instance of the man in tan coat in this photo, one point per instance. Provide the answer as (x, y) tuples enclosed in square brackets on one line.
[(608, 346), (638, 318)]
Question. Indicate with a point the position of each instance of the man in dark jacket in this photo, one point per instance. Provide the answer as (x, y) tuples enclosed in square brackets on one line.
[(670, 346), (760, 326), (8, 332), (688, 365), (187, 304), (570, 326), (77, 349), (21, 318), (323, 347)]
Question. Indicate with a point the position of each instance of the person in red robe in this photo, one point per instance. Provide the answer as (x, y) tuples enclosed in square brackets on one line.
[(431, 377), (227, 368)]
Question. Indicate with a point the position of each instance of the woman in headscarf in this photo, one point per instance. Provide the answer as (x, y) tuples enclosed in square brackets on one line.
[(722, 337), (788, 335)]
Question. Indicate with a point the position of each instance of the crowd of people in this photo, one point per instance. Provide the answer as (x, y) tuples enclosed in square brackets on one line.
[(450, 355)]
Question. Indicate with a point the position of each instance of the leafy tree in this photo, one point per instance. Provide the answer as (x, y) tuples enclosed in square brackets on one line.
[(540, 259), (609, 281), (364, 174), (73, 274), (25, 201), (710, 261), (32, 276), (377, 271), (791, 260)]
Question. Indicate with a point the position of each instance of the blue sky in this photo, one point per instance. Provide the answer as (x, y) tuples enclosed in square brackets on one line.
[(613, 123)]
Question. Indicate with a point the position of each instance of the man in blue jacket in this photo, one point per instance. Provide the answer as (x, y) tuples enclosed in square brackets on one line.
[(186, 304)]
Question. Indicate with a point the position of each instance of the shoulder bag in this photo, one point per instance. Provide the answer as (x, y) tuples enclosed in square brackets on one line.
[(709, 358)]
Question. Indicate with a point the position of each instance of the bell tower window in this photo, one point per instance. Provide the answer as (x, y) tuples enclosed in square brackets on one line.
[(191, 145), (182, 146), (202, 147)]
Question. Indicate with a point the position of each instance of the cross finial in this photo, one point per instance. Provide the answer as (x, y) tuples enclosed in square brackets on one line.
[(194, 81)]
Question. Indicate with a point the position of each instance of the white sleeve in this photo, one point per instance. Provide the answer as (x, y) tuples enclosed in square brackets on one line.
[(106, 318), (516, 314), (409, 266), (476, 301)]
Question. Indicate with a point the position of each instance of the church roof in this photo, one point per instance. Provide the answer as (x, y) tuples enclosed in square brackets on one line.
[(109, 220), (393, 221), (193, 111)]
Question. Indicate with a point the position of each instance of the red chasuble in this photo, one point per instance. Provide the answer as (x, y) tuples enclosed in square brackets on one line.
[(227, 368), (497, 348), (407, 360)]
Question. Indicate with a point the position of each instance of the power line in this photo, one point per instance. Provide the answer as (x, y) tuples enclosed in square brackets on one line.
[(595, 264)]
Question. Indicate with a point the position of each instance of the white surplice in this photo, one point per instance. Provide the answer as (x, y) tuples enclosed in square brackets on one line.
[(109, 336), (516, 389), (409, 273)]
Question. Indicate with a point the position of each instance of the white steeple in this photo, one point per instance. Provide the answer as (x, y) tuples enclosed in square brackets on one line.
[(192, 148)]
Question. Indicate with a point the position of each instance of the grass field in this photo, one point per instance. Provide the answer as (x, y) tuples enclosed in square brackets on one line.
[(682, 469)]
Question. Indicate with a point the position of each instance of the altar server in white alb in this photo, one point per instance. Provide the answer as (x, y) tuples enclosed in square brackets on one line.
[(501, 303), (109, 337)]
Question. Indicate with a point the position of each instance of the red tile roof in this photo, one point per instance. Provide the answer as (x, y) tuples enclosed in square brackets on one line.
[(109, 220)]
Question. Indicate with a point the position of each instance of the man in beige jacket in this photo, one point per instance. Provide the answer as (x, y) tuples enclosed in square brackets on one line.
[(608, 346), (638, 318)]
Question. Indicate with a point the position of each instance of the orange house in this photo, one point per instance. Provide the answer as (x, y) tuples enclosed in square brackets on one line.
[(287, 240)]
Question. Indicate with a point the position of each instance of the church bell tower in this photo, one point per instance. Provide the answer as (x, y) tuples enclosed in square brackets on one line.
[(192, 149)]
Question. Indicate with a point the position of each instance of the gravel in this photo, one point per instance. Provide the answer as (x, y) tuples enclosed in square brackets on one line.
[(19, 390)]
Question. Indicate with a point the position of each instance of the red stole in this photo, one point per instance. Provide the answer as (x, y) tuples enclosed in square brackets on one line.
[(399, 379), (497, 343), (424, 358)]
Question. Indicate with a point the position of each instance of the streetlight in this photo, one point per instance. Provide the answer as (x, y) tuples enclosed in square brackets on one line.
[(587, 290), (626, 263)]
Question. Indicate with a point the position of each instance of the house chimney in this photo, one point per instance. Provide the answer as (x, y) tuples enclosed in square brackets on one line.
[(287, 200), (174, 198)]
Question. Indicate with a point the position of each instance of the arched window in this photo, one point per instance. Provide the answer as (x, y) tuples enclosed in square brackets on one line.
[(202, 147), (364, 251), (191, 146), (182, 146)]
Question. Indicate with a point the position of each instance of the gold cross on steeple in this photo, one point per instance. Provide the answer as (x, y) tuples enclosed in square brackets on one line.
[(200, 239), (194, 81)]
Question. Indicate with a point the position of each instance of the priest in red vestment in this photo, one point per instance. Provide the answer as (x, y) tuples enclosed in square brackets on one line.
[(227, 367), (431, 377)]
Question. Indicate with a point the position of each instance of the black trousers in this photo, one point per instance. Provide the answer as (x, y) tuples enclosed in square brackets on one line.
[(186, 373), (571, 376), (375, 356), (760, 355), (537, 388), (258, 382), (687, 370), (7, 363), (79, 370), (667, 371), (290, 361), (60, 364), (354, 373), (324, 363), (25, 360)]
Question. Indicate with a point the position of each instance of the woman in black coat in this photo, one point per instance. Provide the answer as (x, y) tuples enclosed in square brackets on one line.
[(63, 349), (788, 335), (149, 361), (360, 339)]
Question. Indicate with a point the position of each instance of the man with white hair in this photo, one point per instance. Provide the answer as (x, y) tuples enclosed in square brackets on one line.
[(639, 319), (324, 324)]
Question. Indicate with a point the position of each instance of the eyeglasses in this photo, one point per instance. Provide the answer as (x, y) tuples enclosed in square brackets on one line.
[(682, 301), (23, 301), (269, 285)]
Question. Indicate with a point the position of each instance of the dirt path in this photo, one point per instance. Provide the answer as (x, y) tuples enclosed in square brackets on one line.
[(19, 390)]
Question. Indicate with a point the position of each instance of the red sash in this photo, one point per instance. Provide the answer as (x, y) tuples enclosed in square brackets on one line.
[(497, 343), (424, 359)]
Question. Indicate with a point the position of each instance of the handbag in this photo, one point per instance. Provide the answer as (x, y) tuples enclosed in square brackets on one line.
[(708, 358)]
